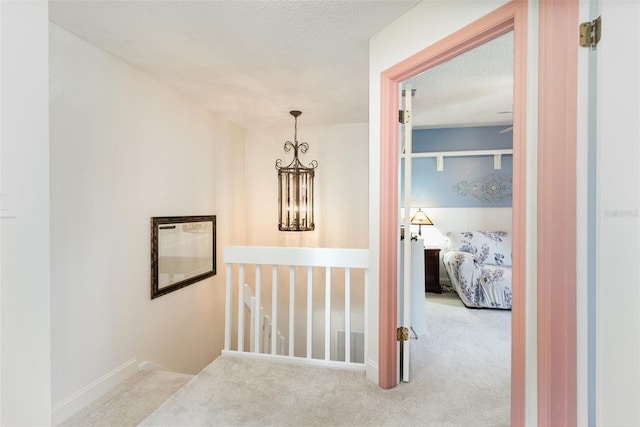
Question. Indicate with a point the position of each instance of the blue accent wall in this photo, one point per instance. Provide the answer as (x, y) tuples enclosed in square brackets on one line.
[(466, 181)]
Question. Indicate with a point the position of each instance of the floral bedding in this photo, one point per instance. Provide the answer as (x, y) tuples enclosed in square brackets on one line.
[(479, 266)]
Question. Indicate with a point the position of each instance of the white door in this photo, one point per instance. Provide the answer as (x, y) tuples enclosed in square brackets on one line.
[(404, 279), (609, 200), (617, 216)]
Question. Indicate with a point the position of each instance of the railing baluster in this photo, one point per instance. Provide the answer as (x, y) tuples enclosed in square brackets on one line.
[(347, 315), (252, 316), (266, 327), (258, 317), (292, 303), (274, 308), (262, 322), (227, 310), (309, 310), (241, 307), (327, 314)]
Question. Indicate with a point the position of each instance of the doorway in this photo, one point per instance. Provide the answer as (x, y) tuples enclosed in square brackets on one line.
[(459, 163), (510, 17)]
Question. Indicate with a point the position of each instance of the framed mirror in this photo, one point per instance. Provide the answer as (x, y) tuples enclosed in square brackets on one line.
[(183, 251)]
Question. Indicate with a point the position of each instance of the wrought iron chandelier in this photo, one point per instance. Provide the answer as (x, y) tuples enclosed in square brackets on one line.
[(295, 187)]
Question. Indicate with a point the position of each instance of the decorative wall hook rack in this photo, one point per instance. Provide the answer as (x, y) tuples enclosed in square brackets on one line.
[(497, 156)]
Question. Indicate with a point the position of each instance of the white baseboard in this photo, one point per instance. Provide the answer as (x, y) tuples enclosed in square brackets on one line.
[(148, 366), (300, 361), (371, 368), (61, 411), (446, 284)]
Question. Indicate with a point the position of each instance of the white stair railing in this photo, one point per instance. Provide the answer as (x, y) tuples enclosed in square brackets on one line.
[(327, 258), (263, 342)]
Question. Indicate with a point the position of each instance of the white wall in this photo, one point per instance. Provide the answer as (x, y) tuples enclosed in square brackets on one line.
[(341, 209), (617, 209), (341, 179), (125, 148), (25, 390), (608, 219), (463, 219), (422, 26)]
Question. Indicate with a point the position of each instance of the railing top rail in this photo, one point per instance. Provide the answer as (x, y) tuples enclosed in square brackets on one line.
[(314, 257)]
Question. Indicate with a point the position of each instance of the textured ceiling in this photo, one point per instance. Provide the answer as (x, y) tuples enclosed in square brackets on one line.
[(248, 61), (474, 88), (252, 62)]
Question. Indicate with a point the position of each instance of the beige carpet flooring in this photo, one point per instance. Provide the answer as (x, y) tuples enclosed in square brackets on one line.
[(130, 402), (460, 376)]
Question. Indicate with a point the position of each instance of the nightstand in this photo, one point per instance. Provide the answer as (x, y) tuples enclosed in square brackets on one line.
[(432, 270)]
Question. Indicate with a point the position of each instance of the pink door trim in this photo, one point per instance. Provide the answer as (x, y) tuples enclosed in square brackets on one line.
[(557, 103), (511, 16)]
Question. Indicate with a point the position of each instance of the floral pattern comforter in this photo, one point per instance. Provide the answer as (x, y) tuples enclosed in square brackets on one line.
[(479, 266)]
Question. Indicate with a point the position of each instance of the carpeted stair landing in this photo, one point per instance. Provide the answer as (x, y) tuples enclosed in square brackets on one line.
[(460, 377), (130, 402)]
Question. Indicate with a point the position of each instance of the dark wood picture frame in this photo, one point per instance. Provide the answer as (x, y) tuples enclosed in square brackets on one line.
[(183, 251)]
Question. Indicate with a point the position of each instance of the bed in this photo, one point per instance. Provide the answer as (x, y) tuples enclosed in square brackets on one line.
[(478, 264)]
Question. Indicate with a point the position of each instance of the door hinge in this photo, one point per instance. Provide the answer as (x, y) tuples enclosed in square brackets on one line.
[(402, 334), (404, 116), (590, 33)]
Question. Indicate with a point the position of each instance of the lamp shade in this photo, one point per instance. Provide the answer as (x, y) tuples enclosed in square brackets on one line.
[(420, 218)]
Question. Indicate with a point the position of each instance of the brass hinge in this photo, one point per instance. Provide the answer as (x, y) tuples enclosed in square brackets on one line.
[(404, 116), (402, 334), (590, 33)]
